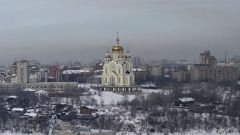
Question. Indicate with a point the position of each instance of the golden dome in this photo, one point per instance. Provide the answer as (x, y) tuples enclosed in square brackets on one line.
[(117, 48)]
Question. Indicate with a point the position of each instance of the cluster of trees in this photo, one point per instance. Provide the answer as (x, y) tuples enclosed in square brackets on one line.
[(14, 123), (162, 113), (183, 121)]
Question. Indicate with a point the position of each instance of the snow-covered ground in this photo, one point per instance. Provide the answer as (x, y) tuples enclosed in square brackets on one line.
[(9, 133), (149, 91), (193, 132), (109, 98), (101, 97), (84, 85), (112, 98)]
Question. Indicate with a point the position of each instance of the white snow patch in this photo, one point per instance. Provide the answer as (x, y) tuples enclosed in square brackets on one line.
[(149, 91), (186, 99), (83, 85), (148, 85), (10, 133), (17, 109), (160, 91), (76, 71), (108, 97), (193, 132), (31, 114), (28, 89), (41, 92), (12, 97)]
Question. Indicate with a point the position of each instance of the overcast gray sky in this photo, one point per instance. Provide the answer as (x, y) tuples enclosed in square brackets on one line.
[(60, 30)]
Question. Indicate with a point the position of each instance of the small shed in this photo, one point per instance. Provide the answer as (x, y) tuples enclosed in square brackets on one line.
[(87, 110), (185, 101)]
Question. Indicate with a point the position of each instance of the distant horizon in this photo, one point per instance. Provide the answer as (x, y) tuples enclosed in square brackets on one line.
[(60, 30), (197, 59)]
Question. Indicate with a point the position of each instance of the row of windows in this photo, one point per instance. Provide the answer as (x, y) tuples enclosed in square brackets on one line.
[(52, 90), (217, 74), (112, 80), (41, 87)]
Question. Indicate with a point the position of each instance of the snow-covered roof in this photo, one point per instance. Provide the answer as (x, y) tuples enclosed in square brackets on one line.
[(186, 99), (138, 69), (28, 89), (18, 109), (167, 76), (12, 97), (33, 76), (98, 76), (42, 69), (31, 114), (90, 107), (148, 85), (41, 92), (97, 71), (76, 71), (15, 133)]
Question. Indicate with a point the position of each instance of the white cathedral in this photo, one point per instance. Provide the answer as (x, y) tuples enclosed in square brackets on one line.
[(118, 70)]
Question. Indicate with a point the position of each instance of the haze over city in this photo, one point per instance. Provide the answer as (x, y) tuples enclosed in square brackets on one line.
[(61, 30), (119, 67)]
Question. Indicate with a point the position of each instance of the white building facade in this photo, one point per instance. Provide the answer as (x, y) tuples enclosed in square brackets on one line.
[(118, 68)]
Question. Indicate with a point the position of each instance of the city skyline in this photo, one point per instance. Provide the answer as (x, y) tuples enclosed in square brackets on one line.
[(60, 30)]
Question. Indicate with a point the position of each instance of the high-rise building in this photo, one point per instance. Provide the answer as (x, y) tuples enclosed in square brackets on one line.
[(22, 71), (137, 62), (207, 58), (13, 68), (56, 73)]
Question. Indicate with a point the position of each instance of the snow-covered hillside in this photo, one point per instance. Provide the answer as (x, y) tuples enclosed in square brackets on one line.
[(9, 133), (109, 98), (193, 132)]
